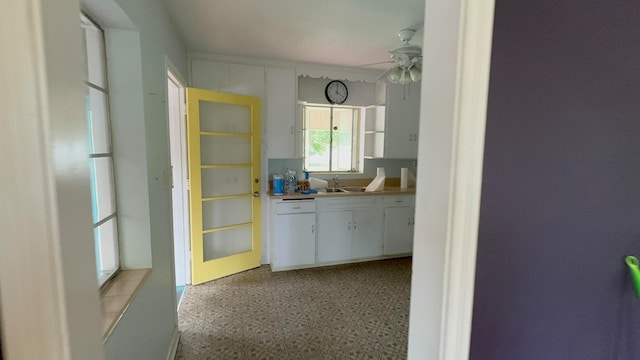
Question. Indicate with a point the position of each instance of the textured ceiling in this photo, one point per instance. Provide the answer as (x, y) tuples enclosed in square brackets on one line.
[(336, 32)]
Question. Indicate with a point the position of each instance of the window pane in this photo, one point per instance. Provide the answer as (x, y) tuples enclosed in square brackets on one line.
[(331, 138), (94, 46), (97, 116), (342, 140), (102, 192), (106, 241), (318, 138)]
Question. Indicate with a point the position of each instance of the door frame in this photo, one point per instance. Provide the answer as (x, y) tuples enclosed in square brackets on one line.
[(185, 245), (452, 125), (458, 101)]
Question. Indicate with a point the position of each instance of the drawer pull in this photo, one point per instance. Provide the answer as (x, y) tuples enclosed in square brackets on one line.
[(399, 201), (296, 207)]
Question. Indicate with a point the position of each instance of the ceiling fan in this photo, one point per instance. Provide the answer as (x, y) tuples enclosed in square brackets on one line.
[(408, 60)]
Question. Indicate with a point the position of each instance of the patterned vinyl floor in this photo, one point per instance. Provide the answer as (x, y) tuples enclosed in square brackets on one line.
[(356, 311)]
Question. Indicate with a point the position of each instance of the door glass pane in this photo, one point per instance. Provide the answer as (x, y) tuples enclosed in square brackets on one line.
[(228, 242), (219, 213), (227, 118), (223, 182), (102, 192), (219, 150), (98, 123)]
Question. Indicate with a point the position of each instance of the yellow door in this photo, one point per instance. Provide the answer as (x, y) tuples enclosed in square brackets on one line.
[(224, 175)]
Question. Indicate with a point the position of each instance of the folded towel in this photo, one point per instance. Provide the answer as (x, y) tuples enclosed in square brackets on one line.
[(315, 183), (378, 183)]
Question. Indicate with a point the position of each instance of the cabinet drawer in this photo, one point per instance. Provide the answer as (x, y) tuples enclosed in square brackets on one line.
[(295, 207), (399, 200), (348, 203)]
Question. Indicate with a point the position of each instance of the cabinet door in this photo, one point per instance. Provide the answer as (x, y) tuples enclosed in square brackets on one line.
[(367, 228), (400, 136), (230, 78), (281, 111), (334, 236), (295, 242), (398, 230)]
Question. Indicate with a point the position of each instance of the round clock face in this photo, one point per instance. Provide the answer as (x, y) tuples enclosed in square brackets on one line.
[(336, 92)]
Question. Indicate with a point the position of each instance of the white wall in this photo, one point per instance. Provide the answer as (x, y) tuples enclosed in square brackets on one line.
[(360, 93), (149, 327), (129, 146)]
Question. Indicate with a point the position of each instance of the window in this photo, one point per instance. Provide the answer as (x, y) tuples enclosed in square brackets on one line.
[(105, 223), (332, 138)]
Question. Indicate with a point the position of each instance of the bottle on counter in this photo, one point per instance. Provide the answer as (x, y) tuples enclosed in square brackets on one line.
[(278, 184), (304, 184), (291, 182)]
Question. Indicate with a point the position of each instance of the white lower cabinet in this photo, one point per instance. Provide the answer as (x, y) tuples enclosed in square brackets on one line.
[(367, 233), (334, 236), (340, 229), (398, 230), (349, 228), (294, 234)]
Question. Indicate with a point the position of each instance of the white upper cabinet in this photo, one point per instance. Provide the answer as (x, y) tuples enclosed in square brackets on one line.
[(374, 126), (229, 78), (281, 112), (401, 121)]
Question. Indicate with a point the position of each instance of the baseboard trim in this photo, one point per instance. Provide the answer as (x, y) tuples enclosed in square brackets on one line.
[(174, 344)]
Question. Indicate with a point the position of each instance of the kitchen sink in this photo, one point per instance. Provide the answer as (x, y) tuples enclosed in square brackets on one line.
[(332, 190), (353, 188), (346, 189)]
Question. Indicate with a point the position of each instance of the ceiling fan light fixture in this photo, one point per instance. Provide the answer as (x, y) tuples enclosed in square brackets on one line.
[(407, 58), (416, 73), (395, 74), (405, 78)]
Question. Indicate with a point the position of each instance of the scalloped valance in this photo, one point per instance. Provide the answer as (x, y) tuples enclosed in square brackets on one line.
[(320, 73)]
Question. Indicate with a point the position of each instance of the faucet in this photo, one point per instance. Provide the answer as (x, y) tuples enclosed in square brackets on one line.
[(335, 181)]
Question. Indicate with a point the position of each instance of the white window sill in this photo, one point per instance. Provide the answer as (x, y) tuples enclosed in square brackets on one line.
[(118, 295)]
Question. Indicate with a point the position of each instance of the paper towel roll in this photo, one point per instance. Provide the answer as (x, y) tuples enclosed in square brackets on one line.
[(404, 178)]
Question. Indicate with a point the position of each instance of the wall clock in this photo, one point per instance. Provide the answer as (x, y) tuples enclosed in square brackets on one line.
[(336, 92)]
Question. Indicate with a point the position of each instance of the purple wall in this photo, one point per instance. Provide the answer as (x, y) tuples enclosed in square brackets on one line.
[(561, 184)]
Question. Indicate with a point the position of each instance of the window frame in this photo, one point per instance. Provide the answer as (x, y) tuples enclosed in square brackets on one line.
[(357, 153), (103, 275)]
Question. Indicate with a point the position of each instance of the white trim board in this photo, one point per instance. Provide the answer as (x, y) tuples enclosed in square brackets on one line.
[(173, 348), (49, 292), (450, 157)]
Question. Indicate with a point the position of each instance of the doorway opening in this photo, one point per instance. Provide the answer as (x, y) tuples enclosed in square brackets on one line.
[(179, 183)]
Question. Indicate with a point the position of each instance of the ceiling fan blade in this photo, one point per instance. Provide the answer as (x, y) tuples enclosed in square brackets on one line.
[(377, 63), (385, 73)]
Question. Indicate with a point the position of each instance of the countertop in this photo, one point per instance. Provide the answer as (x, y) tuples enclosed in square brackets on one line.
[(388, 190)]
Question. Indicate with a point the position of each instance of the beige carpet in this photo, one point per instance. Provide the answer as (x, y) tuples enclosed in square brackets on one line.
[(356, 311)]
